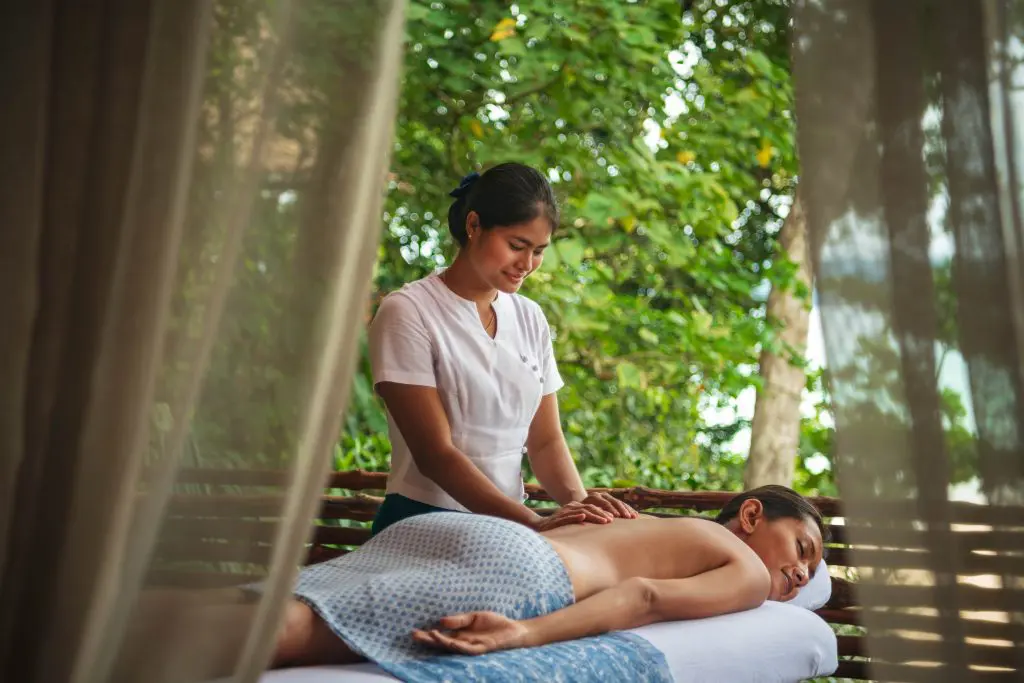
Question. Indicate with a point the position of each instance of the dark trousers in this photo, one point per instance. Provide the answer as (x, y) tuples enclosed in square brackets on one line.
[(397, 507)]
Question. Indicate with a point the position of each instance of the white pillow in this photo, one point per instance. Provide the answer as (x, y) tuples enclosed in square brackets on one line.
[(774, 643), (817, 592)]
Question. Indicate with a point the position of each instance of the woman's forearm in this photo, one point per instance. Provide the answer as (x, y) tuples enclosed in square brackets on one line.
[(738, 584), (454, 472), (555, 470), (623, 606), (549, 455)]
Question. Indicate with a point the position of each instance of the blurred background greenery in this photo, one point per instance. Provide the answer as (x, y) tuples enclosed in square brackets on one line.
[(669, 138), (668, 135)]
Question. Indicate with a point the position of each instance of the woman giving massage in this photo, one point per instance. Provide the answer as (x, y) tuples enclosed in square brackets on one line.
[(474, 584), (465, 366)]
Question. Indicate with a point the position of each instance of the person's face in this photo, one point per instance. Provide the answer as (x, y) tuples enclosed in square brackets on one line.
[(504, 256), (790, 548)]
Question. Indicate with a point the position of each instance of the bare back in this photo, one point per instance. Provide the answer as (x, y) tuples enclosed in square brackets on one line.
[(599, 556)]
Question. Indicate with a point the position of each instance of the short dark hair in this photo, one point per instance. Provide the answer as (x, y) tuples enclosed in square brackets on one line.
[(506, 194), (778, 502)]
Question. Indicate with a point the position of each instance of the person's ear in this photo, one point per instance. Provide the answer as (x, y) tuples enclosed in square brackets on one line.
[(750, 515), (472, 224)]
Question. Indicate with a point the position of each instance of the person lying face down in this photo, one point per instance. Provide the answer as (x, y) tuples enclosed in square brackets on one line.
[(510, 587)]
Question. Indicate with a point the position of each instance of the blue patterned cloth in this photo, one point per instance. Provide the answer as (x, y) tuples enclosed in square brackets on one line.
[(610, 658), (430, 566)]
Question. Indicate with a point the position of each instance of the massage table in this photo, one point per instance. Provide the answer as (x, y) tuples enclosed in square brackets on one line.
[(773, 643)]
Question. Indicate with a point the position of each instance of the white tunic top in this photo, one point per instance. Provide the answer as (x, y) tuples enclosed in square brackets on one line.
[(425, 334)]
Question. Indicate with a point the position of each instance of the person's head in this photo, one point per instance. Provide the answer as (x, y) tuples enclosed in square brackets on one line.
[(503, 221), (784, 529)]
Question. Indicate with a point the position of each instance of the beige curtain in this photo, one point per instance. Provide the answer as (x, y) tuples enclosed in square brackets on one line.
[(189, 214), (910, 125)]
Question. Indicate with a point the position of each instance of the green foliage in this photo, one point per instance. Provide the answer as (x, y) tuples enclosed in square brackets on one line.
[(814, 463), (669, 141), (670, 144)]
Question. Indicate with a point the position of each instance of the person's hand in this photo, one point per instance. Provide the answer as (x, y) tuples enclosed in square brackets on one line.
[(610, 504), (474, 633), (572, 513)]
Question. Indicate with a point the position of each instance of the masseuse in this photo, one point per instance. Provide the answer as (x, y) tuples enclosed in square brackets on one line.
[(466, 369)]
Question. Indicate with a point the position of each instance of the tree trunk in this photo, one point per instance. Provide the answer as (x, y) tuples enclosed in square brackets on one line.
[(775, 432)]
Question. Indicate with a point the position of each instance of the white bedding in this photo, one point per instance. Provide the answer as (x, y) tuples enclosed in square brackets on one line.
[(773, 643)]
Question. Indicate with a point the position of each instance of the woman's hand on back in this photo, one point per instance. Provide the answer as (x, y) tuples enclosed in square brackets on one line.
[(610, 504), (572, 513)]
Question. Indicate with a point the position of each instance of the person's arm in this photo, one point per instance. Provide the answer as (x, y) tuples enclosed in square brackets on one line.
[(553, 465), (402, 358), (739, 582), (737, 585), (419, 415), (549, 455)]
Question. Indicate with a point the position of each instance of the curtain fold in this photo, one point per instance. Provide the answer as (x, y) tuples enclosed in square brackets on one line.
[(196, 188), (911, 173)]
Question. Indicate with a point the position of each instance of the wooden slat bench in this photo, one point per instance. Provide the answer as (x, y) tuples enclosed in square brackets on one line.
[(221, 525)]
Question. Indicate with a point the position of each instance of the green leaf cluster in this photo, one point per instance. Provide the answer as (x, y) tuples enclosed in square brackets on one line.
[(669, 141)]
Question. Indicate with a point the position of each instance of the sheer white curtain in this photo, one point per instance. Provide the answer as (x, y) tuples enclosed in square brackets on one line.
[(190, 207), (909, 130)]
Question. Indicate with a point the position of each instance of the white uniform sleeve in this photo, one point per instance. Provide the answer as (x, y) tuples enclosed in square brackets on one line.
[(552, 379), (400, 349)]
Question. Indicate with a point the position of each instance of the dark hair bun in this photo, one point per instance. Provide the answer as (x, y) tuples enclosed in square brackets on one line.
[(507, 194), (457, 211), (465, 186)]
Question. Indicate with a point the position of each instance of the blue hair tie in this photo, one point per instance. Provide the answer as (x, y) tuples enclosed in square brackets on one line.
[(463, 189)]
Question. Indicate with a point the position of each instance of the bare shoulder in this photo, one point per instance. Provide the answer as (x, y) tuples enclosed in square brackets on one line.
[(721, 547), (710, 571), (712, 537), (705, 529)]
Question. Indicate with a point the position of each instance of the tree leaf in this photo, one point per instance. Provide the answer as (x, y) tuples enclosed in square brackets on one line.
[(648, 336), (629, 376), (569, 251), (415, 11), (512, 46), (503, 30)]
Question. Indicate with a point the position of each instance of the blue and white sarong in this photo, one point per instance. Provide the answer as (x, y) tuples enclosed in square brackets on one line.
[(431, 566)]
